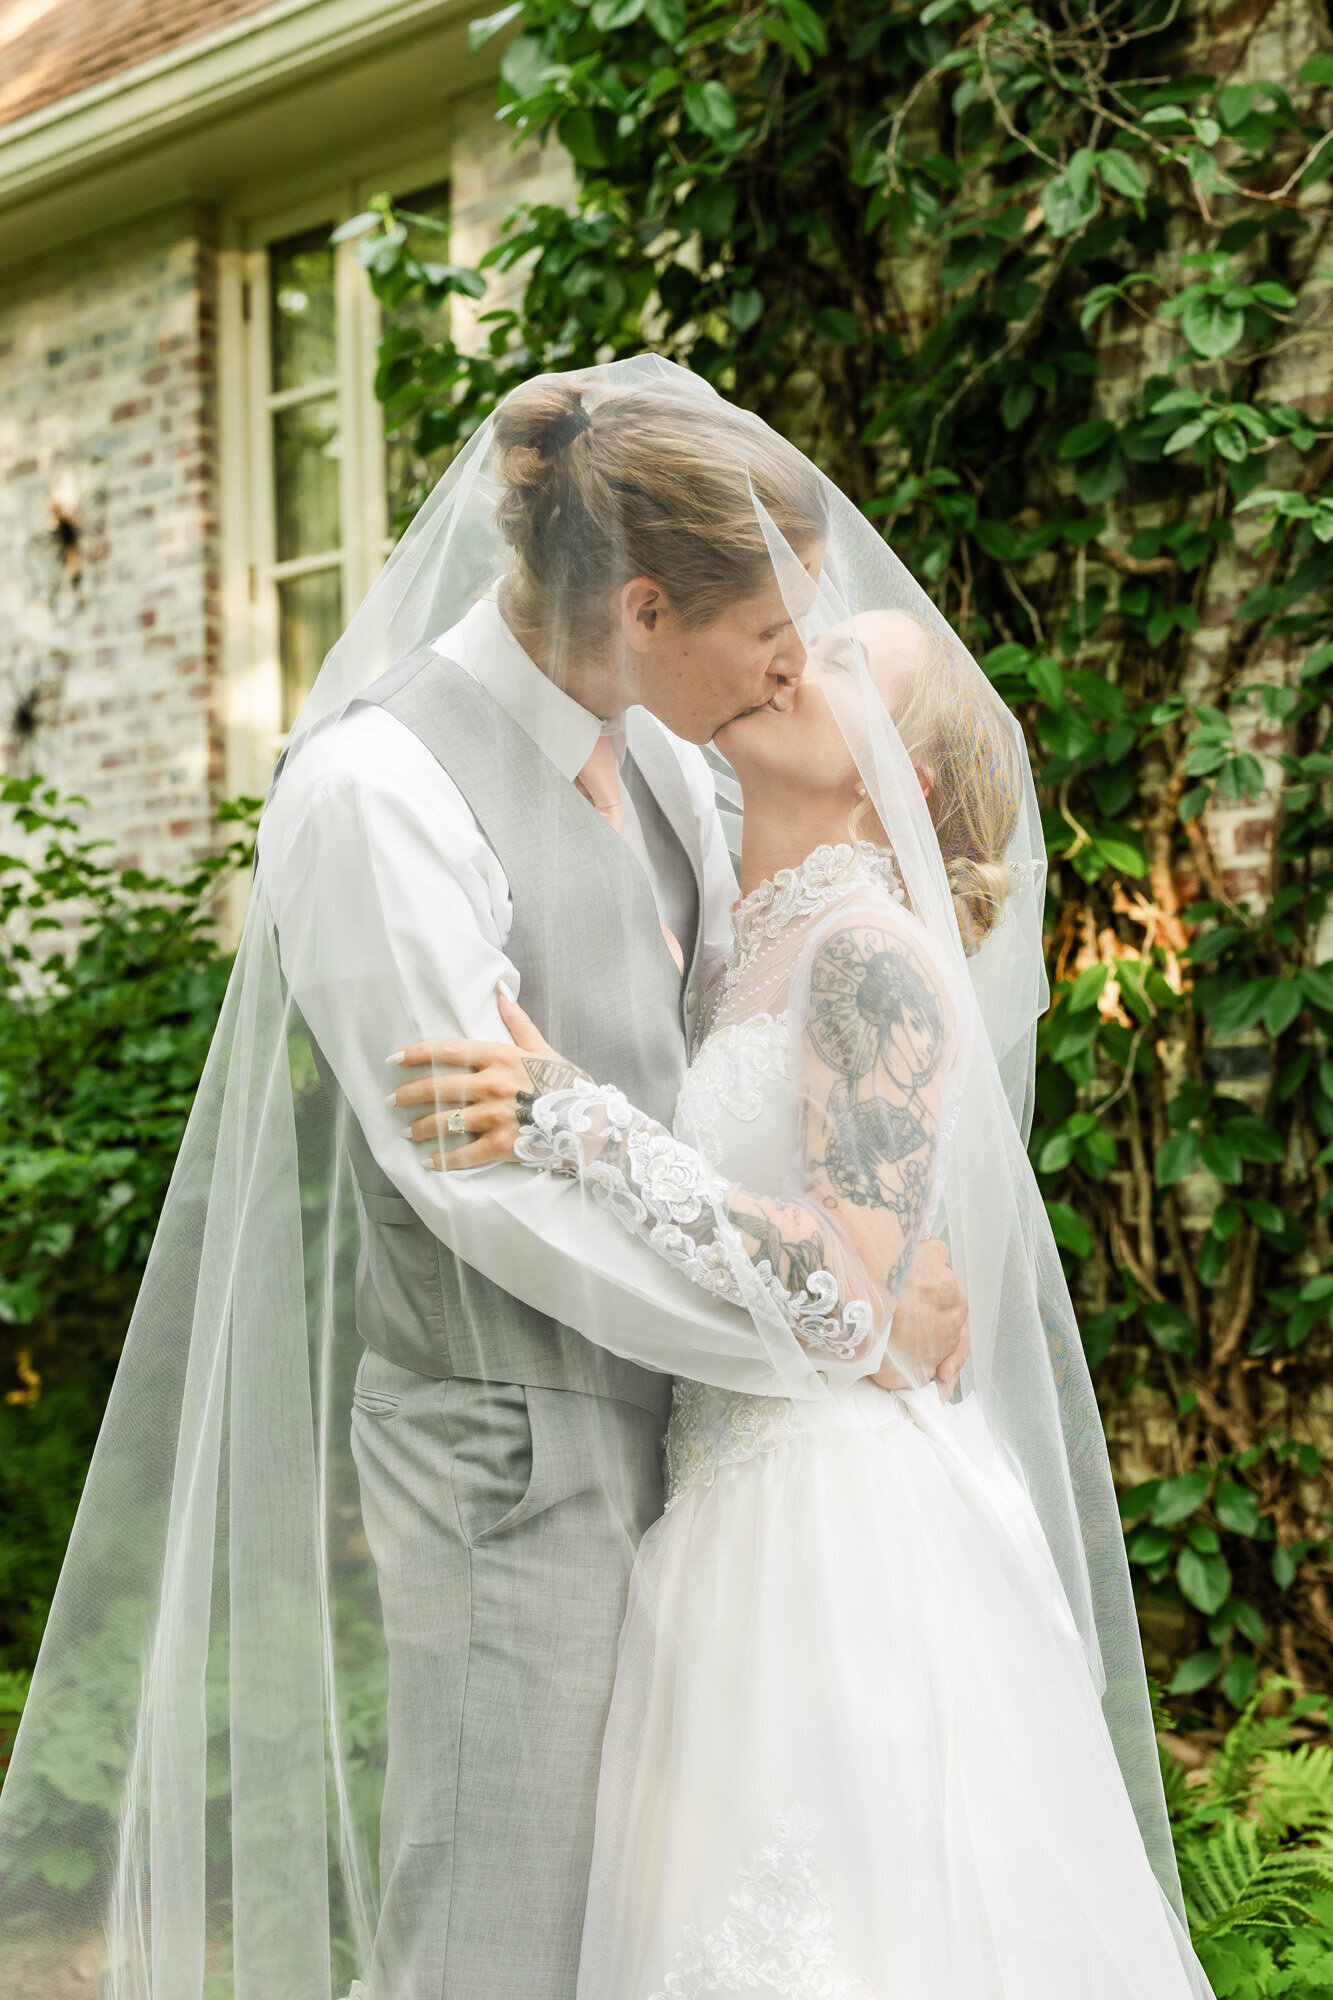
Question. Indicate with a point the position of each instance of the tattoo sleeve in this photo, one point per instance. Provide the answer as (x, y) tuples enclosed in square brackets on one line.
[(877, 1040), (832, 1259)]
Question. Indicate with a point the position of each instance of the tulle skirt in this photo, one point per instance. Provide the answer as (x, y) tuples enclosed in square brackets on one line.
[(854, 1747)]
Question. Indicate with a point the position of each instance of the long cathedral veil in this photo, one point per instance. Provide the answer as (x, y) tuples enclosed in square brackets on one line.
[(198, 1773)]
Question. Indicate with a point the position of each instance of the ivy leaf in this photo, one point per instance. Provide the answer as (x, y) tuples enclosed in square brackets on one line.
[(710, 108), (1170, 1326), (578, 136), (1282, 1006), (835, 323), (1241, 1008), (1220, 1159), (1070, 201), (1317, 988), (1121, 849), (1236, 1508), (1205, 1581), (668, 17), (1088, 988), (1097, 479), (1123, 173), (480, 32), (1254, 1138), (1084, 439), (1070, 1231), (807, 24), (1196, 1672), (1148, 1546), (1047, 678), (1098, 1335), (523, 64), (1177, 1499), (1211, 327), (1176, 1157), (998, 539), (1017, 404), (1238, 1680)]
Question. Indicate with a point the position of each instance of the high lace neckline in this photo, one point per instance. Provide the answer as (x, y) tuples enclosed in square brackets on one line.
[(825, 874)]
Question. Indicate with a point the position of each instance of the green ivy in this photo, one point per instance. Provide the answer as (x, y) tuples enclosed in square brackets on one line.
[(1028, 282)]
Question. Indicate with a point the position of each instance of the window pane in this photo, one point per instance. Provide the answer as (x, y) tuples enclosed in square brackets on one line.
[(303, 320), (307, 445), (409, 478), (310, 620)]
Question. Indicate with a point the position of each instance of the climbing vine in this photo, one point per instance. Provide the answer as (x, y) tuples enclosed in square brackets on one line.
[(1046, 290)]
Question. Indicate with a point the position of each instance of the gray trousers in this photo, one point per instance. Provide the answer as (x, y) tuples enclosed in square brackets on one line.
[(503, 1522)]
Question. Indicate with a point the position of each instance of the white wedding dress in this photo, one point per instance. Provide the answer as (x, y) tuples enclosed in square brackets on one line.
[(854, 1747)]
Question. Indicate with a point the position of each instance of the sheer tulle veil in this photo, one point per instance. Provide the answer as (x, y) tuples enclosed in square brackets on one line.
[(199, 1769)]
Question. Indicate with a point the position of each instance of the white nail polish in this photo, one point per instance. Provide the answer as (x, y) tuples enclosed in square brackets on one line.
[(397, 1057)]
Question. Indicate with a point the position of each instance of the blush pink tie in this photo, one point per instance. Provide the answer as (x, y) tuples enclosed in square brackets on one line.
[(599, 782)]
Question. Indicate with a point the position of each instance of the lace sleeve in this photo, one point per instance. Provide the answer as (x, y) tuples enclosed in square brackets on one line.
[(666, 1193)]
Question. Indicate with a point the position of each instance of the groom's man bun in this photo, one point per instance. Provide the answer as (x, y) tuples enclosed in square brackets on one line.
[(602, 484)]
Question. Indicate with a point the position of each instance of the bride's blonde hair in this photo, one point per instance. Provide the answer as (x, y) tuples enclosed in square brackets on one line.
[(954, 725)]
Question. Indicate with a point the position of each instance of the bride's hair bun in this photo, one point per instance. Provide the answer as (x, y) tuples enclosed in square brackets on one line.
[(601, 484)]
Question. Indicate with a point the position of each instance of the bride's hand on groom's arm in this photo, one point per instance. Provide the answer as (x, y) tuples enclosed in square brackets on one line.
[(490, 1086), (929, 1331)]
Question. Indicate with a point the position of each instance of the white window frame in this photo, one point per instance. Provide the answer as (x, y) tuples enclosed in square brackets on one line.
[(253, 721)]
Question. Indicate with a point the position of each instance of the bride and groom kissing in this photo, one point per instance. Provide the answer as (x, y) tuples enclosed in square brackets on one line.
[(577, 1470), (827, 1725)]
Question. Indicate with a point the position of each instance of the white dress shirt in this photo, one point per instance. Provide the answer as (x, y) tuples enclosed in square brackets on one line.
[(392, 914)]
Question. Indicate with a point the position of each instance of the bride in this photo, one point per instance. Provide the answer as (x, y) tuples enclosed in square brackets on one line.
[(855, 1747)]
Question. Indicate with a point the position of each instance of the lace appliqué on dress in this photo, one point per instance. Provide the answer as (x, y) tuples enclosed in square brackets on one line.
[(779, 1938), (729, 1074), (667, 1193), (711, 1428)]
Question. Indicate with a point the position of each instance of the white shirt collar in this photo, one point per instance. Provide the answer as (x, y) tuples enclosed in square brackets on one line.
[(566, 733)]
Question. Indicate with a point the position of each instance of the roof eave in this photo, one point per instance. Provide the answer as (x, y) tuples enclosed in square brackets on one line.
[(216, 73)]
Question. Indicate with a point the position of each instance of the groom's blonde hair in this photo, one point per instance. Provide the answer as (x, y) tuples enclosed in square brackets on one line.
[(600, 484)]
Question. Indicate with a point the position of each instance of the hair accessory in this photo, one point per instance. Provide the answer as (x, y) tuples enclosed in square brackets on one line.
[(562, 431)]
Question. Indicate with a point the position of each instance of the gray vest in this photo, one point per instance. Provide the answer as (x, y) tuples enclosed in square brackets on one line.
[(597, 979)]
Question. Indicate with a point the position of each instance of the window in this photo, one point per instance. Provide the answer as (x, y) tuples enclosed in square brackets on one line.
[(323, 487), (306, 448)]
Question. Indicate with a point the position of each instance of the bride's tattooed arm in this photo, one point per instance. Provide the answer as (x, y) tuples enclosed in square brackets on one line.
[(875, 1041), (877, 1037)]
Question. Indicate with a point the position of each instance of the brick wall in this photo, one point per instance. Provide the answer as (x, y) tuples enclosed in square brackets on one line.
[(108, 652)]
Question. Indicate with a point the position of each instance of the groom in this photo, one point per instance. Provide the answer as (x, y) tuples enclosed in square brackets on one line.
[(464, 823)]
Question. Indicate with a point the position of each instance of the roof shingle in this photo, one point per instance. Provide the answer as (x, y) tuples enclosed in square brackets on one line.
[(50, 49)]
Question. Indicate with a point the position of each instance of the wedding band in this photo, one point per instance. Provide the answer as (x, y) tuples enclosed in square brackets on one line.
[(456, 1124)]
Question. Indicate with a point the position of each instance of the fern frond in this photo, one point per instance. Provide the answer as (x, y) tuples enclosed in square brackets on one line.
[(1233, 1882), (1295, 1790), (1250, 1738)]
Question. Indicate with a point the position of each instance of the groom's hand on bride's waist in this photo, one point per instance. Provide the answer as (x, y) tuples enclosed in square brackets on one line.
[(928, 1338)]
